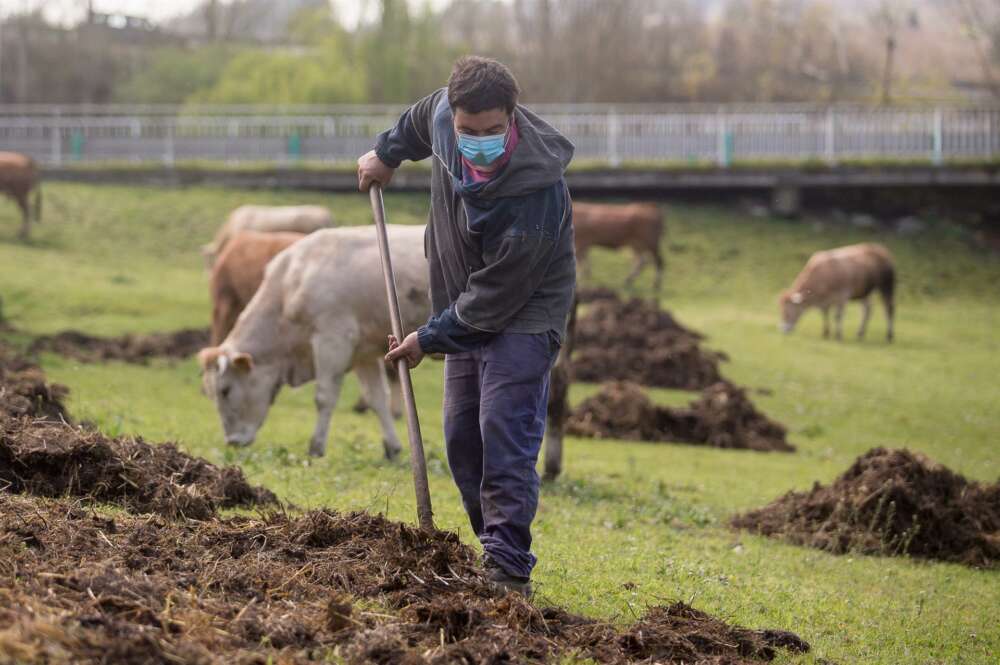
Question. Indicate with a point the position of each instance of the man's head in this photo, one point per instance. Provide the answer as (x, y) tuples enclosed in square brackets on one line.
[(482, 94)]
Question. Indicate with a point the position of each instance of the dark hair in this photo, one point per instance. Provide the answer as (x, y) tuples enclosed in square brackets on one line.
[(479, 84)]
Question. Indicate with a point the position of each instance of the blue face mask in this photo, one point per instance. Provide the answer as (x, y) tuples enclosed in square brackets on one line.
[(482, 150)]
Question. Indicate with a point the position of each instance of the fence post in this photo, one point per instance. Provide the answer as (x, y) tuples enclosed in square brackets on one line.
[(614, 130), (831, 136), (169, 149), (330, 134), (295, 146), (56, 142), (724, 140), (938, 156), (76, 140)]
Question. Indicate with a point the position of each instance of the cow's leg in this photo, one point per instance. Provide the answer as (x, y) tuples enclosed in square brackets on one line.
[(557, 412), (371, 374), (838, 318), (224, 315), (22, 203), (826, 323), (640, 263), (890, 314), (583, 260), (658, 262), (866, 312), (395, 395), (333, 359)]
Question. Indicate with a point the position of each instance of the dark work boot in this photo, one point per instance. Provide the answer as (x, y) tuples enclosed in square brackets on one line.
[(503, 581)]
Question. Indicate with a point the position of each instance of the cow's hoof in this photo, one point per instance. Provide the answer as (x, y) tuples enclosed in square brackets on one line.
[(390, 452), (317, 451)]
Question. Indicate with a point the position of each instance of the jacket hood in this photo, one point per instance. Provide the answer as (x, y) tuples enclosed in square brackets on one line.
[(539, 160)]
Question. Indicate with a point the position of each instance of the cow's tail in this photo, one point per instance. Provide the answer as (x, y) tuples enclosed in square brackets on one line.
[(37, 207)]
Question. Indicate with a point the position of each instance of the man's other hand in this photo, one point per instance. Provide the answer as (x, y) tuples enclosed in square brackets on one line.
[(373, 170), (409, 349)]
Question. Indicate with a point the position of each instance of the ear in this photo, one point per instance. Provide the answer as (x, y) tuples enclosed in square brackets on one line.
[(797, 298), (208, 356), (243, 361)]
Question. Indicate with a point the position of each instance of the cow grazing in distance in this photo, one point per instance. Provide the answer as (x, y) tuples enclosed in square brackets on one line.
[(832, 278), (18, 177), (266, 219), (639, 226), (319, 313), (238, 272)]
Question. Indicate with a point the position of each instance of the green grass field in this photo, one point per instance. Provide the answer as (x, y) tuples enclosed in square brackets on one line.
[(629, 524)]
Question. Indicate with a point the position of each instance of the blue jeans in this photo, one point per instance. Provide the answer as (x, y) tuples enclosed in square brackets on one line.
[(495, 400)]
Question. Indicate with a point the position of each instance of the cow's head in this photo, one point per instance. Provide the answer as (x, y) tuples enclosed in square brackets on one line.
[(792, 305), (242, 390)]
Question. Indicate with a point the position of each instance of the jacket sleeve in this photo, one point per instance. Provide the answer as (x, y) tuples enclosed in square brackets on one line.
[(444, 333), (410, 138)]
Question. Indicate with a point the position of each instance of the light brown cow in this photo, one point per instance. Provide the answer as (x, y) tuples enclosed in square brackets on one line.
[(238, 272), (832, 278), (269, 219), (639, 226), (18, 176)]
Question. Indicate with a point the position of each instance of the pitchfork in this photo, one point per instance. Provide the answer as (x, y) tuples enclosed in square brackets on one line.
[(417, 463)]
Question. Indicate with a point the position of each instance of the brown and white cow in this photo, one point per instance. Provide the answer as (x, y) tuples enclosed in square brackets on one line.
[(319, 313), (18, 177), (238, 273), (638, 226), (832, 278), (266, 219)]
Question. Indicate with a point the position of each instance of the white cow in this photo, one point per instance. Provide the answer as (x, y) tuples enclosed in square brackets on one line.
[(297, 219), (320, 312)]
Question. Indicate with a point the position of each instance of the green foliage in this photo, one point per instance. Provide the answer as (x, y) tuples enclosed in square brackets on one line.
[(322, 74), (174, 74), (629, 524)]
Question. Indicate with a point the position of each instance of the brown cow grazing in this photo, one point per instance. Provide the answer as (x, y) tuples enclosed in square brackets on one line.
[(833, 277), (18, 176), (238, 272), (637, 225)]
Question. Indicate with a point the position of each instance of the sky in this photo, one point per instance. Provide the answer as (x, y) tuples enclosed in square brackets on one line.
[(69, 11)]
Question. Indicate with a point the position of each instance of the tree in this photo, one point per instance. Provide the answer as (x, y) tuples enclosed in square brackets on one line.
[(981, 23)]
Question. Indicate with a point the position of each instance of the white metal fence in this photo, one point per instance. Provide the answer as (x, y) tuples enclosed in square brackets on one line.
[(604, 134)]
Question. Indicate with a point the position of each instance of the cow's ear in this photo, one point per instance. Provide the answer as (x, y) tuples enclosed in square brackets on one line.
[(797, 298), (243, 361), (208, 356)]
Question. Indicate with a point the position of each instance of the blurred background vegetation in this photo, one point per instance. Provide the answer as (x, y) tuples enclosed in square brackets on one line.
[(394, 51)]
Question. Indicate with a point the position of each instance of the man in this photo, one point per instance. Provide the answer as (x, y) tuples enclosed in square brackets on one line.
[(502, 273)]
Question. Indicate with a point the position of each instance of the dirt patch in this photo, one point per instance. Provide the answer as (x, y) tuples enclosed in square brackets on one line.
[(54, 459), (139, 349), (723, 417), (890, 502), (92, 588), (25, 392), (637, 341)]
